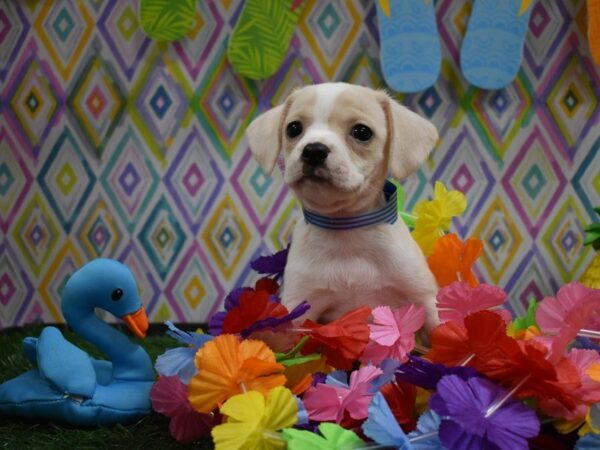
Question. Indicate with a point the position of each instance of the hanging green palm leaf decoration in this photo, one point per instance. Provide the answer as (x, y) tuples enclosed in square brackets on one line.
[(167, 20), (262, 35)]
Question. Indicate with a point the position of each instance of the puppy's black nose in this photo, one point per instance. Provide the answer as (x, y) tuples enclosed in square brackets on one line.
[(314, 154)]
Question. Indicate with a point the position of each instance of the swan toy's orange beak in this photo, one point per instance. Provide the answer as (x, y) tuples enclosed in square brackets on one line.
[(137, 322)]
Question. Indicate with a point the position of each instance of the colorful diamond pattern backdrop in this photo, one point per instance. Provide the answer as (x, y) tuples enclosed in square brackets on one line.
[(113, 145)]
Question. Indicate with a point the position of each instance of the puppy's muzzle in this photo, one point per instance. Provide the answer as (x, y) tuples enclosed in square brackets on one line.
[(314, 155)]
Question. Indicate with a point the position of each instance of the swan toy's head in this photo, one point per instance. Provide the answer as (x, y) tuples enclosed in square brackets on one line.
[(109, 285)]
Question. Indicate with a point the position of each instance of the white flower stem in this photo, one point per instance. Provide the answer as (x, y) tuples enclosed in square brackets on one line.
[(300, 330), (468, 359), (422, 437), (492, 409), (375, 446), (592, 334), (421, 349), (273, 435)]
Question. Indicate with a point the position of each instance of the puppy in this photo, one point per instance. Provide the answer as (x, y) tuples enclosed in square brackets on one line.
[(339, 142)]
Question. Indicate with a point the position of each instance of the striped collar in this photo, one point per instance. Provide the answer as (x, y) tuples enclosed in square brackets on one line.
[(386, 214)]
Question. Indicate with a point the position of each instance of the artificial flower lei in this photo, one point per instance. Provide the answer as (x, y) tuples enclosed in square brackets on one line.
[(265, 378)]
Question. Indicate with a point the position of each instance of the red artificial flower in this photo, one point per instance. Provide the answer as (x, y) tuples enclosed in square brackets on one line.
[(526, 363), (401, 397), (267, 284), (455, 344), (482, 343), (341, 341), (254, 306)]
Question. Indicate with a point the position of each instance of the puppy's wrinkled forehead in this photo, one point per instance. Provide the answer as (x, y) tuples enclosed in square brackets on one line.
[(332, 103)]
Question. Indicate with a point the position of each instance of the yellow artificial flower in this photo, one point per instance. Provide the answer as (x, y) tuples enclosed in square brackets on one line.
[(434, 217), (525, 4), (588, 426), (422, 400), (523, 335), (567, 426), (253, 421)]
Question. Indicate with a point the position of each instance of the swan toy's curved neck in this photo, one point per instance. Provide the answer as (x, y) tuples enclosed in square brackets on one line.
[(109, 285), (130, 361)]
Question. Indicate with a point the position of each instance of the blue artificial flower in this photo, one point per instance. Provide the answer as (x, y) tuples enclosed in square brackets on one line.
[(381, 425), (590, 441), (426, 437), (180, 361), (303, 419), (388, 366)]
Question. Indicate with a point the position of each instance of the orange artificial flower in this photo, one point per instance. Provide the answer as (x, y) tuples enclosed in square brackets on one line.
[(452, 260), (227, 367), (593, 372)]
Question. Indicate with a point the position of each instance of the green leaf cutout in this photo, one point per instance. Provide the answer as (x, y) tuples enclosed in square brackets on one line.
[(298, 360), (524, 322), (167, 20), (262, 35), (334, 438), (408, 219)]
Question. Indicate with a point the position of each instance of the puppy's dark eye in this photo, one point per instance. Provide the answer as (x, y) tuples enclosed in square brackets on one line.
[(361, 132), (293, 129), (116, 294)]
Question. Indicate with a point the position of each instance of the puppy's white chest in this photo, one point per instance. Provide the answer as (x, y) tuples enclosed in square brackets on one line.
[(356, 260), (340, 271)]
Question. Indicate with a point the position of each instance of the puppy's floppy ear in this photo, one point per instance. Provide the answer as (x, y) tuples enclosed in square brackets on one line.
[(411, 138), (265, 139)]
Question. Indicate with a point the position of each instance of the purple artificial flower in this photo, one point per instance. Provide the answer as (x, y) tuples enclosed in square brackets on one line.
[(318, 378), (419, 372), (273, 265), (426, 375), (586, 343), (476, 413), (272, 322)]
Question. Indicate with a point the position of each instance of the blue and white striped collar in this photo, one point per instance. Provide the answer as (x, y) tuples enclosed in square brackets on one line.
[(387, 214)]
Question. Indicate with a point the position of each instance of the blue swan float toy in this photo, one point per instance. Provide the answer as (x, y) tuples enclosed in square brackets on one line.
[(68, 384)]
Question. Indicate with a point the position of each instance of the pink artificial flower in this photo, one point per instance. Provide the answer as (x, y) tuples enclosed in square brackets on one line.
[(392, 333), (459, 299), (575, 306), (330, 400), (582, 360), (170, 398), (585, 395)]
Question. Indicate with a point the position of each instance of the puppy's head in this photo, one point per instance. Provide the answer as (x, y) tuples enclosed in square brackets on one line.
[(339, 142)]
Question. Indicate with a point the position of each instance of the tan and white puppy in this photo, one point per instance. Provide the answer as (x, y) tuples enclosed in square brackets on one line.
[(339, 142)]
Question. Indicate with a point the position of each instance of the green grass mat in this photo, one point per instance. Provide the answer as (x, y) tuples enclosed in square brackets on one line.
[(150, 432)]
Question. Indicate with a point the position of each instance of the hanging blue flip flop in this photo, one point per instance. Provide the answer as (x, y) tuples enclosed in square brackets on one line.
[(492, 50), (410, 46)]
